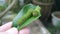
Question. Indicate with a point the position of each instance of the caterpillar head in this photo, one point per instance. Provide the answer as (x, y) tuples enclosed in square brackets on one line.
[(36, 11)]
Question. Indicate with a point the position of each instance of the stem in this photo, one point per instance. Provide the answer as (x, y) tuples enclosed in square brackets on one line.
[(46, 1), (8, 8)]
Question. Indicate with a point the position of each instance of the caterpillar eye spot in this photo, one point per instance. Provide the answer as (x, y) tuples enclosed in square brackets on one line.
[(35, 13)]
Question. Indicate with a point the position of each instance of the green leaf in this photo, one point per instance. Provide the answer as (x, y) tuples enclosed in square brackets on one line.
[(23, 12)]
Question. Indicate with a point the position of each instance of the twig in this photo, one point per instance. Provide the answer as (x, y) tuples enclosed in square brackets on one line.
[(8, 8)]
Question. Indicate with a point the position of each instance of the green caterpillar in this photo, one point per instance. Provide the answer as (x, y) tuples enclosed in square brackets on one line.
[(25, 17), (22, 19), (28, 15)]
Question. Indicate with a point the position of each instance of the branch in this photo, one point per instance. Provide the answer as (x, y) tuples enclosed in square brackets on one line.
[(8, 8)]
